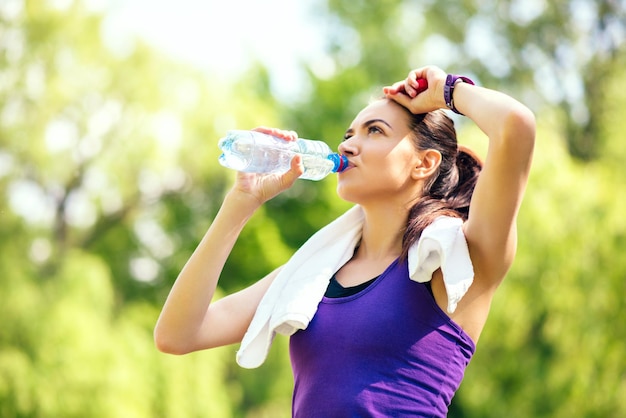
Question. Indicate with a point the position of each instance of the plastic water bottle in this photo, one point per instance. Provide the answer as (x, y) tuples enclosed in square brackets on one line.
[(256, 152)]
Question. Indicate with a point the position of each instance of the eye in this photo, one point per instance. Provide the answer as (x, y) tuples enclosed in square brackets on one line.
[(373, 129), (347, 136)]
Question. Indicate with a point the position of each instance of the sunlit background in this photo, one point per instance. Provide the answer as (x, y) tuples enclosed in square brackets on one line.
[(110, 113), (221, 38)]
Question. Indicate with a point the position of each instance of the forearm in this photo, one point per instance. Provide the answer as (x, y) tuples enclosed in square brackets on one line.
[(499, 116), (186, 306)]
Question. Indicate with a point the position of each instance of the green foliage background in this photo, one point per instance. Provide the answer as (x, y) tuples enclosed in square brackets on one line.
[(109, 178)]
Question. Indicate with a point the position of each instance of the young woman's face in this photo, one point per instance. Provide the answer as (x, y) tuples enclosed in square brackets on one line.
[(381, 155)]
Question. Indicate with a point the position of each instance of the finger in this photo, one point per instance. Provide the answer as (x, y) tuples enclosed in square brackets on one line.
[(264, 129), (419, 73), (415, 83), (293, 135), (279, 133), (397, 87), (296, 169), (408, 87), (411, 84), (421, 84), (286, 135)]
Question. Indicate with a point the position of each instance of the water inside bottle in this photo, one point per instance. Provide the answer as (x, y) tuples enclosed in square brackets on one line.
[(241, 153), (233, 157), (316, 168)]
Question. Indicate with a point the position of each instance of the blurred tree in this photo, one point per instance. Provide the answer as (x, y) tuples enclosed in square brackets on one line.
[(554, 343), (555, 53), (108, 165)]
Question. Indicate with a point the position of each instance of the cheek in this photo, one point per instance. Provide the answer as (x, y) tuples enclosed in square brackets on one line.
[(381, 170), (405, 158), (397, 166)]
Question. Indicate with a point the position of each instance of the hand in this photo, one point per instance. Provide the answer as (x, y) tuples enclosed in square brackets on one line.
[(263, 187), (408, 93)]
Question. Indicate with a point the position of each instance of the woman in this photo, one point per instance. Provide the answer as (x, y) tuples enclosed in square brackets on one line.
[(381, 344)]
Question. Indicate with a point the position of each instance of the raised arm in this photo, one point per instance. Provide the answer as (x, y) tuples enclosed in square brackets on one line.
[(510, 126), (189, 321), (491, 227)]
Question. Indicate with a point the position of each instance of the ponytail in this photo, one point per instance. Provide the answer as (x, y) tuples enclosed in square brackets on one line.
[(449, 191), (469, 166)]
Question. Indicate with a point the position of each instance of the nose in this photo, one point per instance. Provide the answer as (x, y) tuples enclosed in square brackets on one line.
[(347, 147)]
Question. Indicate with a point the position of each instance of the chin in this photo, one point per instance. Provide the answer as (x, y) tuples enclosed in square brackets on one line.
[(349, 194)]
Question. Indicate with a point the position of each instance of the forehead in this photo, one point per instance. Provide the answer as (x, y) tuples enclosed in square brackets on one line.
[(387, 110)]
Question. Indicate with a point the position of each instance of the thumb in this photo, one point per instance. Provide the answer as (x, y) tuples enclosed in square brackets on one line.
[(295, 171)]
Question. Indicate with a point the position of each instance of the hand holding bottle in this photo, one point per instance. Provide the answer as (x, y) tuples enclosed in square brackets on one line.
[(262, 187)]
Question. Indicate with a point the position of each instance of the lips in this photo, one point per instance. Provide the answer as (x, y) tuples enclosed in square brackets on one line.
[(348, 168)]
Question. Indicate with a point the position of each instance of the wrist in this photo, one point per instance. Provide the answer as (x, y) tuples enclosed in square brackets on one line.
[(448, 90), (242, 201)]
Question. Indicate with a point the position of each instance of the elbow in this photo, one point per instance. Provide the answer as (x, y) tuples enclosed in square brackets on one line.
[(520, 126), (168, 344)]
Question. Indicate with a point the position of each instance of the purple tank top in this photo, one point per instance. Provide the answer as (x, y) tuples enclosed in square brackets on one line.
[(387, 351)]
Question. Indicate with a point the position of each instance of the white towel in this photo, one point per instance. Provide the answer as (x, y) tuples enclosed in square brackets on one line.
[(292, 299)]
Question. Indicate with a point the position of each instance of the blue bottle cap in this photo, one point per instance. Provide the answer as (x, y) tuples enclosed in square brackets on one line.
[(340, 162)]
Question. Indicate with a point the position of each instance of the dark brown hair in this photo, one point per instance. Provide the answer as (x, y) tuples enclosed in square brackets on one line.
[(449, 190)]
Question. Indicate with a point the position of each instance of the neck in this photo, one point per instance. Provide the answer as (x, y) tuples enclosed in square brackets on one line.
[(383, 230)]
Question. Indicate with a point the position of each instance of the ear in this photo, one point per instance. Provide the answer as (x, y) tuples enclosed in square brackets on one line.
[(427, 164)]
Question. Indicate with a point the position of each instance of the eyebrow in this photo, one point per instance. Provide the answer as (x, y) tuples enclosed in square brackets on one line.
[(371, 122)]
